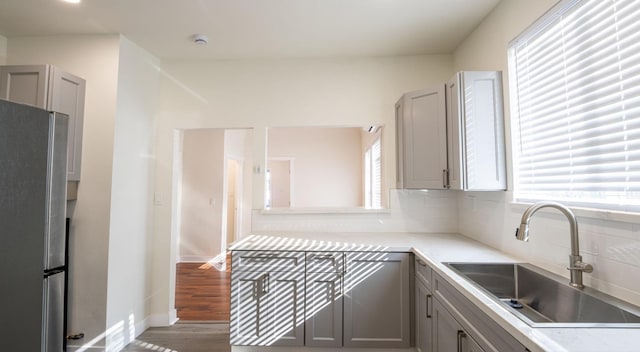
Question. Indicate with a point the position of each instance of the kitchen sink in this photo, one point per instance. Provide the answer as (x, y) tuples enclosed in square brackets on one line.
[(543, 299)]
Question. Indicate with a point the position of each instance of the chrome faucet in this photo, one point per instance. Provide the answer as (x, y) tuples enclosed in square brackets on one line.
[(576, 266)]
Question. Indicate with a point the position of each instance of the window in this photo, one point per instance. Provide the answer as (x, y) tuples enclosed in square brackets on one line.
[(575, 99), (373, 176)]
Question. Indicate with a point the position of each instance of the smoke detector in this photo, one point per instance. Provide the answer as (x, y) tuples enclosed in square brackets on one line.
[(200, 39)]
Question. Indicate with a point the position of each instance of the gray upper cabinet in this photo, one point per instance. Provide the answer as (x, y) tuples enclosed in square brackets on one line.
[(50, 88), (451, 136), (377, 300), (421, 139), (475, 131)]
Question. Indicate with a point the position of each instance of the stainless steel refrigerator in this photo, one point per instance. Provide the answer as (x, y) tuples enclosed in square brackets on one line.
[(33, 164)]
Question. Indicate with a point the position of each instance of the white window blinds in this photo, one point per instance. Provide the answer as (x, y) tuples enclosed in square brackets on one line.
[(575, 89)]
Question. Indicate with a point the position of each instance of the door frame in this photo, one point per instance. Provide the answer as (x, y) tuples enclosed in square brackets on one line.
[(238, 196)]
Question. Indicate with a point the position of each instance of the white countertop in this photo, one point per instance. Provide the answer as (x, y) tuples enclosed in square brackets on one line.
[(437, 249)]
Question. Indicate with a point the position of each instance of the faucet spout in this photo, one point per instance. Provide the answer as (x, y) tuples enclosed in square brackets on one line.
[(576, 266)]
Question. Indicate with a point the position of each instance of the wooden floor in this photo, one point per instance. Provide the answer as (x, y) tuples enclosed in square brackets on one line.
[(183, 338), (202, 292), (202, 302)]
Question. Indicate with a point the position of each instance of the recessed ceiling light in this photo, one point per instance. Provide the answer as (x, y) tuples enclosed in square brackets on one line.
[(72, 1)]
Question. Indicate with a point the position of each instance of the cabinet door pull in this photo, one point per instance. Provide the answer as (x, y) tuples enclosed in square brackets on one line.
[(330, 291), (445, 179), (461, 335), (265, 285), (262, 286), (429, 297)]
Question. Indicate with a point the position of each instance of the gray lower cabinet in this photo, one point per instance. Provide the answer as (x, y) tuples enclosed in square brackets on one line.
[(267, 298), (323, 299), (377, 300), (472, 345), (423, 308), (323, 325), (448, 334), (460, 326)]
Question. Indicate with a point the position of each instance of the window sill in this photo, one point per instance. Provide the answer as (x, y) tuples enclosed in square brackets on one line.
[(601, 214), (320, 210)]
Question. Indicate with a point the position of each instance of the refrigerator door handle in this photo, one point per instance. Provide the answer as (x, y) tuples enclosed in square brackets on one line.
[(54, 245)]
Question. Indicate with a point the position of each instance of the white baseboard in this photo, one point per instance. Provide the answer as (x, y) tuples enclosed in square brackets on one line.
[(173, 316), (141, 326), (164, 319), (114, 339), (97, 344)]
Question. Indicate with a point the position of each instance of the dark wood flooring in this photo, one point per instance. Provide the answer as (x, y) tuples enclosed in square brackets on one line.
[(202, 292)]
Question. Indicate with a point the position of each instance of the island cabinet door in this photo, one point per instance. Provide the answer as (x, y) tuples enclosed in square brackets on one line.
[(248, 309), (323, 324), (267, 309), (285, 298), (377, 300)]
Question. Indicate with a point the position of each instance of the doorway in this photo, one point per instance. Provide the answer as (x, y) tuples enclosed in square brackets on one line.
[(213, 190), (279, 185)]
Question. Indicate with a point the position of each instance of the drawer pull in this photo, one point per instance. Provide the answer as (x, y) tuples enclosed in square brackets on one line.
[(421, 262)]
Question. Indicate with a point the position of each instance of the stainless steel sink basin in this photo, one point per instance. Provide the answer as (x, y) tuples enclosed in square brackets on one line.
[(544, 299)]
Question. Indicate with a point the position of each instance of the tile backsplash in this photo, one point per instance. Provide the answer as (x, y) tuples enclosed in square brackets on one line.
[(409, 211)]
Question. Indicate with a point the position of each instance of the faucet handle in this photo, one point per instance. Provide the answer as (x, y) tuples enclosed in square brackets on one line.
[(579, 265)]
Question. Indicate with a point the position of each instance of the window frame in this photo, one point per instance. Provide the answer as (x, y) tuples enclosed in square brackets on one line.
[(369, 160)]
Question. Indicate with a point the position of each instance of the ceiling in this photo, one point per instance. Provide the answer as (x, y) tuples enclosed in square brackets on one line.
[(258, 29)]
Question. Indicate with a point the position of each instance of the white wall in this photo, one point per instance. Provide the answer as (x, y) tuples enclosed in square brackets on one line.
[(3, 50), (94, 58), (202, 194), (130, 235), (609, 242), (346, 92), (326, 163)]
